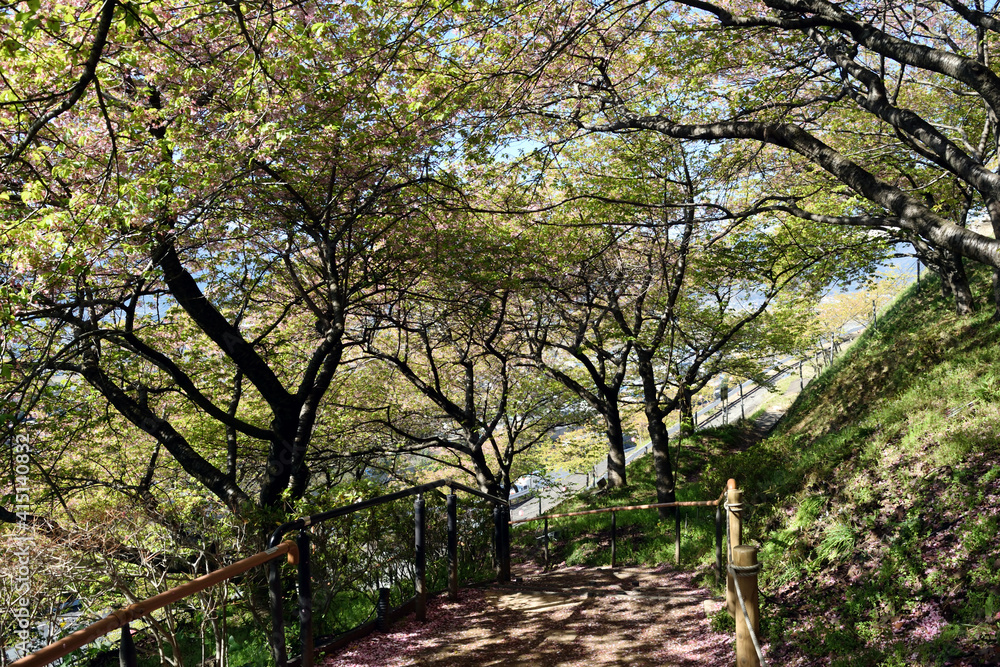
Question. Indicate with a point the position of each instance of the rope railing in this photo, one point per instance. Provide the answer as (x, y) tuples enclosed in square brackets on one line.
[(626, 508), (299, 554), (622, 508), (121, 618), (309, 647)]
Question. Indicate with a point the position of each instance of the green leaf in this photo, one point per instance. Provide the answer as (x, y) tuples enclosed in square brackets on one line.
[(29, 26)]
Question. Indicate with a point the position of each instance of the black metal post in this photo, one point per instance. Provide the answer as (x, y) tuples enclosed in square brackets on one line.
[(505, 554), (420, 573), (276, 594), (546, 544), (718, 543), (614, 541), (497, 541), (677, 535), (382, 610), (743, 413), (126, 649), (452, 546), (305, 600)]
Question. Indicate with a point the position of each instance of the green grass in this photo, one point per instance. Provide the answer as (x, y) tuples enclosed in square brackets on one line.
[(643, 537), (876, 504)]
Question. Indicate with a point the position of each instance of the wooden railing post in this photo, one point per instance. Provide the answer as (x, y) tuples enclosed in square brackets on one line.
[(452, 545), (746, 655), (734, 505), (420, 556)]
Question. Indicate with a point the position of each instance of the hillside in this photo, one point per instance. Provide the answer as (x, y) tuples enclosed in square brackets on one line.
[(876, 503)]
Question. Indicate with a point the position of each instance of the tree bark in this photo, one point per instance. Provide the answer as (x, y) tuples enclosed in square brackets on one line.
[(658, 437), (616, 446), (957, 281)]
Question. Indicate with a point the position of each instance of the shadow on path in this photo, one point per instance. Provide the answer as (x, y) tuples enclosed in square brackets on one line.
[(573, 616)]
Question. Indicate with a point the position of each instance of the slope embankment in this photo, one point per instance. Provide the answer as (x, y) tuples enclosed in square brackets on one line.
[(876, 502)]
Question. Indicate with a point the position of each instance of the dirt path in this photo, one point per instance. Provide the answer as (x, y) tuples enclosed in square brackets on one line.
[(574, 616)]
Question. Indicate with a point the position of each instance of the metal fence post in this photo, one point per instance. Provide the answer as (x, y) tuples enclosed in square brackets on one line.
[(305, 600), (677, 535), (276, 595), (546, 544), (126, 649), (614, 532), (505, 553), (497, 541), (452, 545), (718, 543), (420, 556), (382, 610)]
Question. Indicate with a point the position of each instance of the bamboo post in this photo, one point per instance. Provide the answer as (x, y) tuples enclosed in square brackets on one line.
[(734, 500), (746, 655)]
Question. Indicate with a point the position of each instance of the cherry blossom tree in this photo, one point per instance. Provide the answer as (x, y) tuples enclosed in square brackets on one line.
[(195, 200), (895, 104)]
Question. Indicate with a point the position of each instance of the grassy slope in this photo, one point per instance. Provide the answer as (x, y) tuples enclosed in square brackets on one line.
[(876, 505)]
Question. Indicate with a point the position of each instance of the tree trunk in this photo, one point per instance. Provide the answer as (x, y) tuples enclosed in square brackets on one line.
[(662, 465), (953, 273), (658, 437), (996, 295), (993, 208), (616, 447), (485, 479), (687, 415)]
